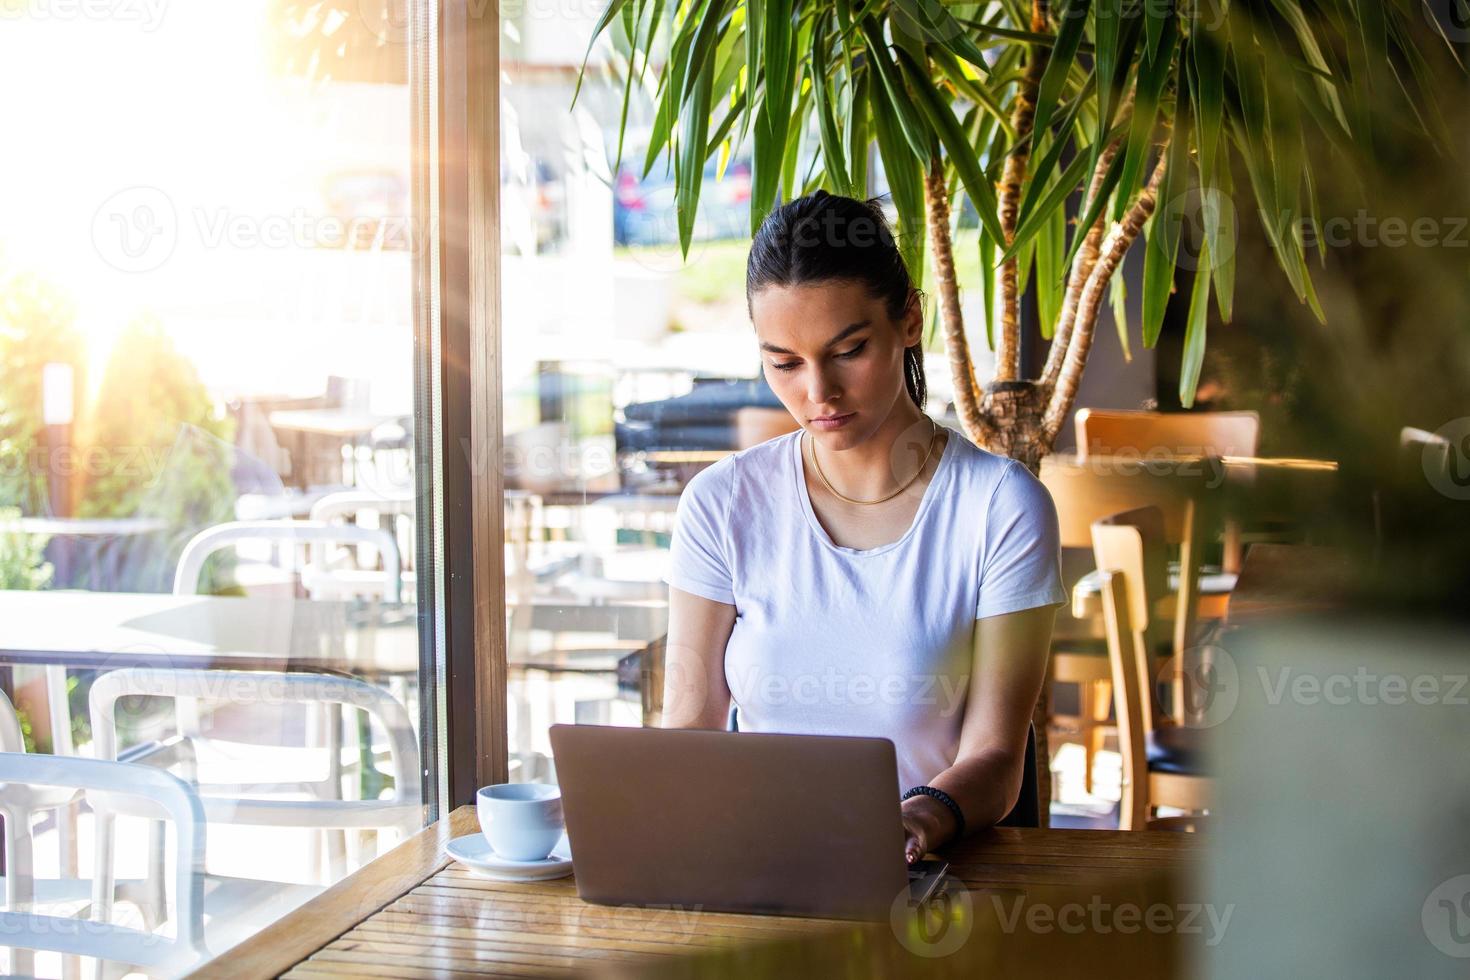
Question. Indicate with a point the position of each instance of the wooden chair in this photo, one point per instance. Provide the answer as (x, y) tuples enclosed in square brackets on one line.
[(1163, 763), (1086, 493), (1103, 432)]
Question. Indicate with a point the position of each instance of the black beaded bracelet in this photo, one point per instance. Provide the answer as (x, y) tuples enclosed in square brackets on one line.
[(944, 798)]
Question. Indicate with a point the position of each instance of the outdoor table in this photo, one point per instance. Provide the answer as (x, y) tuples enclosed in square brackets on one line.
[(110, 629), (1041, 903), (101, 630), (88, 552)]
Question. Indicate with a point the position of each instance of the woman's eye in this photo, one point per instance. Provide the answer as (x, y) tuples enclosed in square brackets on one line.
[(795, 364)]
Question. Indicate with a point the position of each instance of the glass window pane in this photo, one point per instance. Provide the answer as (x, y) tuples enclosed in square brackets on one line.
[(208, 390)]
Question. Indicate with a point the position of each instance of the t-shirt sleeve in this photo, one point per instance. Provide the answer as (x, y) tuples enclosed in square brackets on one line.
[(1022, 564), (699, 559)]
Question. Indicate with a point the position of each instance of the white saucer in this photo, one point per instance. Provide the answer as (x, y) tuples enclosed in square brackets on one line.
[(473, 851)]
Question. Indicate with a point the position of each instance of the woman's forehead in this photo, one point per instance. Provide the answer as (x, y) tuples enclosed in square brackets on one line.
[(813, 308)]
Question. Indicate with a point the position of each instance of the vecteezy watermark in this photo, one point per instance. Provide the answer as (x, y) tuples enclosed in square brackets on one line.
[(143, 462), (547, 462), (1100, 916), (939, 926), (832, 686), (1446, 459), (1446, 917), (139, 228), (1175, 461), (1364, 686), (147, 14), (1366, 230)]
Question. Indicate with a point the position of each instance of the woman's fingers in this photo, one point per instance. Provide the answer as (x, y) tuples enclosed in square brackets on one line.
[(913, 848)]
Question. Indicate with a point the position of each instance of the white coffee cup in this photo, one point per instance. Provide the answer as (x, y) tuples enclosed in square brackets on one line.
[(522, 821)]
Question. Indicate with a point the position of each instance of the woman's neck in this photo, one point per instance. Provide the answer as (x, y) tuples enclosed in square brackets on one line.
[(885, 460)]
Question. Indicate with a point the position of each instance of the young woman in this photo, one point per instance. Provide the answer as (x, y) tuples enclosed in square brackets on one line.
[(872, 573)]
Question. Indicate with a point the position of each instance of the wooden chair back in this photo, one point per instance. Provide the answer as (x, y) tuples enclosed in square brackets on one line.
[(1106, 432), (1110, 433), (1128, 693), (1131, 546), (1086, 492)]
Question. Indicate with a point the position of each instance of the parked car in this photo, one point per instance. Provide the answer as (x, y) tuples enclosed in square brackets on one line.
[(644, 211)]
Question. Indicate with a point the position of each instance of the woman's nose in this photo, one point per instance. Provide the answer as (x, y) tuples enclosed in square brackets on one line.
[(821, 390)]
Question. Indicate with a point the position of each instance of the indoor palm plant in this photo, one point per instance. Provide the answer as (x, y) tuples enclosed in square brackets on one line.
[(1088, 114)]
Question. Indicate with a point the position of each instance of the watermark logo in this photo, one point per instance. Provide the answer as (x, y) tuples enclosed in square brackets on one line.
[(939, 926), (1199, 214), (1446, 460), (136, 229), (1450, 16), (1446, 917), (390, 21), (1211, 685)]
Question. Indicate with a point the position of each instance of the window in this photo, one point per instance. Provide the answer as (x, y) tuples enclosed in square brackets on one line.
[(217, 493)]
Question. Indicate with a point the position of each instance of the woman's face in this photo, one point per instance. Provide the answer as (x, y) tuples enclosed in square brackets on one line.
[(831, 349)]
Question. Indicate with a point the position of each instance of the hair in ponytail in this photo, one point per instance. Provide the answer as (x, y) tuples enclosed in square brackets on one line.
[(825, 237)]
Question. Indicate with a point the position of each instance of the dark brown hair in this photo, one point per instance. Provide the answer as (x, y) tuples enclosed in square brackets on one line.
[(825, 237)]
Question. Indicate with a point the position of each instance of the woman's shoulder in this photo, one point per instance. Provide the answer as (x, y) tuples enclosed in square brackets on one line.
[(981, 468), (754, 465)]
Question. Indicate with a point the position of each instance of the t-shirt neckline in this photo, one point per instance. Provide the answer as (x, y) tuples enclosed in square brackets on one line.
[(930, 491)]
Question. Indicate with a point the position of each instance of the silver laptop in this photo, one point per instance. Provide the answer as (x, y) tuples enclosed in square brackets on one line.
[(733, 821)]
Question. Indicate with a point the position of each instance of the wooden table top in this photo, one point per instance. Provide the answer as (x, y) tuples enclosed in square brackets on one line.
[(1024, 902), (1282, 579)]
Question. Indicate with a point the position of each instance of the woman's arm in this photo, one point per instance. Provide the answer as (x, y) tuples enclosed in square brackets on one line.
[(1008, 669), (695, 693)]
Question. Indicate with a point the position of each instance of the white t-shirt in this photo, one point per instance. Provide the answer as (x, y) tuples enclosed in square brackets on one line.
[(840, 641)]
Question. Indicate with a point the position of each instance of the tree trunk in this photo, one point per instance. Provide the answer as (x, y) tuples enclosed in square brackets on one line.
[(1021, 419), (1016, 408)]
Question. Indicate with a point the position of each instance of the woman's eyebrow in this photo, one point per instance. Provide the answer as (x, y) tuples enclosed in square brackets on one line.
[(843, 333)]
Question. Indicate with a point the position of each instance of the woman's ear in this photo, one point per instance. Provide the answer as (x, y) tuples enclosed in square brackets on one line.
[(913, 319)]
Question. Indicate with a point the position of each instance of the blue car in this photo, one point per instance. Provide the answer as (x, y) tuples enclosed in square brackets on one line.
[(643, 207)]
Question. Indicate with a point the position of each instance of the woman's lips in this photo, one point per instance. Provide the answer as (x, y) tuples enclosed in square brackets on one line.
[(833, 423)]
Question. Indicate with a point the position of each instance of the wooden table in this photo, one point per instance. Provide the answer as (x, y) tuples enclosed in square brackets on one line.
[(1284, 579), (414, 913)]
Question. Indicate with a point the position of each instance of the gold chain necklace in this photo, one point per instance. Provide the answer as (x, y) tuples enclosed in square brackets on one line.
[(828, 484)]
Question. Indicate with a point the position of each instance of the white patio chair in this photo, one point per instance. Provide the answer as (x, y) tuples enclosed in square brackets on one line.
[(321, 577), (162, 796), (261, 805), (19, 803), (210, 540), (327, 723)]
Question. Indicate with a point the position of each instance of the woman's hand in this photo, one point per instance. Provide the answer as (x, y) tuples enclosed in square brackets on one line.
[(927, 824)]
